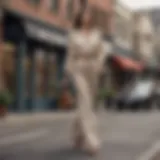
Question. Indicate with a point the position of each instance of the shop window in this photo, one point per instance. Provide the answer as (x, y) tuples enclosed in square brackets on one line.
[(55, 5), (40, 72), (70, 9), (27, 65), (34, 2), (52, 75), (8, 71)]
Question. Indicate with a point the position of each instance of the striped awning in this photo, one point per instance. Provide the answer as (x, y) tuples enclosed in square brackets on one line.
[(126, 63), (44, 34)]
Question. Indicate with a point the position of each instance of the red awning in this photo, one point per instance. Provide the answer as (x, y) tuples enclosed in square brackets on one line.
[(127, 63)]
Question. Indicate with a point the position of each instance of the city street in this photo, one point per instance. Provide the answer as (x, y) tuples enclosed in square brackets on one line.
[(125, 136)]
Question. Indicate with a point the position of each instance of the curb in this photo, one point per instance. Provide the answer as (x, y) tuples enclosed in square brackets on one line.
[(35, 117), (151, 152)]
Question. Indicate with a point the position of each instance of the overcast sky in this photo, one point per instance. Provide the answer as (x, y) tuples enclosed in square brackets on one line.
[(137, 4)]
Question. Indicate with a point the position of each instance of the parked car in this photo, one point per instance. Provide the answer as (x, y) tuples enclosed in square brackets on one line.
[(157, 97), (140, 96)]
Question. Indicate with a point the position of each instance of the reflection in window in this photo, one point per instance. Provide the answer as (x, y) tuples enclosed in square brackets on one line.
[(40, 72), (8, 71), (52, 78), (34, 2), (70, 9), (55, 5), (27, 74)]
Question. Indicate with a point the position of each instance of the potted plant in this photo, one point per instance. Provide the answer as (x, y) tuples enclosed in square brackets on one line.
[(107, 96), (5, 100)]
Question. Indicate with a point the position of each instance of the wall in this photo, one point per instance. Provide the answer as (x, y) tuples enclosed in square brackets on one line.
[(145, 30), (60, 19), (123, 26)]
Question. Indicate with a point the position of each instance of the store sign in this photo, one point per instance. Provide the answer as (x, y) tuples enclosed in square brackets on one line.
[(38, 32)]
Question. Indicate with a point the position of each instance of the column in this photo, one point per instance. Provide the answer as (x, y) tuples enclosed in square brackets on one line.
[(33, 88), (20, 76), (60, 59)]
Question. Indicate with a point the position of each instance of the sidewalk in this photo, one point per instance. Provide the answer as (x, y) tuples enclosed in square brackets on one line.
[(156, 157), (153, 153), (21, 118)]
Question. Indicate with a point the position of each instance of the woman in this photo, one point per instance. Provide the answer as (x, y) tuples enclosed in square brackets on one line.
[(85, 59)]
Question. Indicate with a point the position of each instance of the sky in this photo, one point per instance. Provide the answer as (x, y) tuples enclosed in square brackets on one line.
[(138, 4)]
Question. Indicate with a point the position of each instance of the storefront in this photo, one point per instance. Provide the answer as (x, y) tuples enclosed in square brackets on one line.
[(37, 62)]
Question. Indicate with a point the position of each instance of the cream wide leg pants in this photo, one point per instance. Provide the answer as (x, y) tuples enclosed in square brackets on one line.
[(86, 122)]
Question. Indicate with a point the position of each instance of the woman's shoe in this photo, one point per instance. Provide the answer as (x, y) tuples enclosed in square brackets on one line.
[(79, 142), (92, 151)]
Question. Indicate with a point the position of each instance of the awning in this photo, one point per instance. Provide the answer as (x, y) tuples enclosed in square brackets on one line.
[(126, 63), (47, 35)]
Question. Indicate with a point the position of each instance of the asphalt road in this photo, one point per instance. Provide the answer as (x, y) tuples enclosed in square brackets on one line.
[(125, 136)]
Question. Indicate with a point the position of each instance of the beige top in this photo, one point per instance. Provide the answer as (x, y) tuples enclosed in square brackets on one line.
[(86, 52)]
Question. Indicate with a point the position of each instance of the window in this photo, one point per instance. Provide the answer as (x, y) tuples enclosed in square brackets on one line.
[(8, 71), (54, 5), (34, 2), (104, 22), (95, 15), (70, 9), (121, 27)]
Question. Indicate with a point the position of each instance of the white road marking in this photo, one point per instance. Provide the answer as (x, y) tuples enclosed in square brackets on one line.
[(23, 137), (149, 154)]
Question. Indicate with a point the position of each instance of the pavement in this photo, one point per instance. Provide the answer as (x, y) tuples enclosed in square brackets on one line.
[(16, 119), (46, 136), (156, 157)]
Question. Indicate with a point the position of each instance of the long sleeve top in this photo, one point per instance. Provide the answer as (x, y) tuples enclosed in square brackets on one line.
[(86, 52)]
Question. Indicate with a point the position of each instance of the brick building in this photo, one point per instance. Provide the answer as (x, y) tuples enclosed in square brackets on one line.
[(37, 30)]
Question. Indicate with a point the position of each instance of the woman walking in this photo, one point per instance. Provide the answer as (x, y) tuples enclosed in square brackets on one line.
[(85, 59)]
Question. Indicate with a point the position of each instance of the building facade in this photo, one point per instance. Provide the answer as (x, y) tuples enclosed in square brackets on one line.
[(37, 31), (123, 28), (123, 65), (143, 36)]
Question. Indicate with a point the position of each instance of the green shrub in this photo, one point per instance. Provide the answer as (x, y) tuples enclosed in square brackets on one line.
[(104, 93)]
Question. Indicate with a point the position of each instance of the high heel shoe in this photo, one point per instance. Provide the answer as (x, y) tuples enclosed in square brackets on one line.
[(92, 151), (79, 142)]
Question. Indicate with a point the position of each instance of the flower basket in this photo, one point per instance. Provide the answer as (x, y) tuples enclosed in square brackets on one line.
[(5, 100)]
